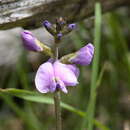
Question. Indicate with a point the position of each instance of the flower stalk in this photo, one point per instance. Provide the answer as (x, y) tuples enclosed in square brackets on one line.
[(57, 110), (57, 95)]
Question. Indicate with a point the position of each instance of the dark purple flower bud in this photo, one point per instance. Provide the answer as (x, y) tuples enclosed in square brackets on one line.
[(49, 27), (72, 26), (59, 36), (62, 22), (47, 24), (30, 42), (84, 55)]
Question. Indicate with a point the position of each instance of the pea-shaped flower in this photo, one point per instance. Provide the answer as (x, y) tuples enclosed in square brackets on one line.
[(30, 42), (52, 76), (84, 55)]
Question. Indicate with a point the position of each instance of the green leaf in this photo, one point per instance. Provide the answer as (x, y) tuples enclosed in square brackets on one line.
[(40, 98), (36, 97)]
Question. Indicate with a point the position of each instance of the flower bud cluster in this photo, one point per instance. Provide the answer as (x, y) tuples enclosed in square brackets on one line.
[(59, 29)]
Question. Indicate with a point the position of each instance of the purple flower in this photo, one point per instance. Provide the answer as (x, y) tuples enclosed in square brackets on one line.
[(30, 42), (52, 76), (84, 55), (72, 26), (47, 24)]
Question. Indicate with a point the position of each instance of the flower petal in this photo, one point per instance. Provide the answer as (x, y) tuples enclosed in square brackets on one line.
[(44, 78), (65, 74), (62, 86), (30, 42), (74, 69), (84, 55)]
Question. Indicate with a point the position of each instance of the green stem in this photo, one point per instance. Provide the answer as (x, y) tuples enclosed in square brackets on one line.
[(57, 110), (57, 96), (89, 118)]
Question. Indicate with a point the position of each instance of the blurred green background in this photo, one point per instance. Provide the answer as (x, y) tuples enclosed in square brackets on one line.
[(112, 109)]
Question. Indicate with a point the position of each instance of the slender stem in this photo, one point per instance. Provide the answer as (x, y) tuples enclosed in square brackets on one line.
[(57, 110), (56, 52), (57, 96)]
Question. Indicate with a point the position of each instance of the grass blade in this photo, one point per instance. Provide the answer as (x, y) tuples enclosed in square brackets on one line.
[(39, 98), (88, 120)]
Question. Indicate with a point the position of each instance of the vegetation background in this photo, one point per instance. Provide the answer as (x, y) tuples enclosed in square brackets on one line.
[(22, 108)]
